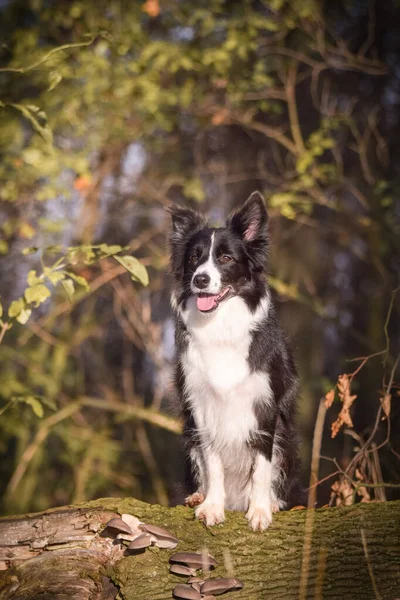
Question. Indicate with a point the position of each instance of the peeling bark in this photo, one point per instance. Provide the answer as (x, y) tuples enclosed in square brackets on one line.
[(354, 553)]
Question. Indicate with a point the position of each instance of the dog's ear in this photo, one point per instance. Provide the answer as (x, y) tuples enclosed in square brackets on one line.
[(184, 220), (251, 220)]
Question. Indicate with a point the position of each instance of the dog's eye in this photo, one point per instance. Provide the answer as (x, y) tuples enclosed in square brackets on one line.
[(193, 259), (225, 258)]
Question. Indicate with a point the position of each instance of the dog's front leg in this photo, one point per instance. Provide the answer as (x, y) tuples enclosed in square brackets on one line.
[(211, 511), (259, 513), (260, 509)]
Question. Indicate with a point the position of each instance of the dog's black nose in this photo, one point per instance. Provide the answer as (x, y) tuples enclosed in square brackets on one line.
[(201, 281)]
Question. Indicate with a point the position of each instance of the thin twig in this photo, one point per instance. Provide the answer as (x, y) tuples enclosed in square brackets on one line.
[(46, 57), (3, 330), (320, 576), (151, 464), (385, 327), (312, 495), (135, 412), (34, 446), (369, 564), (290, 88)]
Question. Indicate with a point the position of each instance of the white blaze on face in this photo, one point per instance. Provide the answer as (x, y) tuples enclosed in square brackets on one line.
[(209, 268)]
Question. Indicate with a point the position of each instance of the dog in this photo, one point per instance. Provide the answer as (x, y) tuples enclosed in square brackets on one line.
[(235, 374)]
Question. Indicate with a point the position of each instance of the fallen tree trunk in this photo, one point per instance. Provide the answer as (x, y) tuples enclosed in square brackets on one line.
[(346, 552)]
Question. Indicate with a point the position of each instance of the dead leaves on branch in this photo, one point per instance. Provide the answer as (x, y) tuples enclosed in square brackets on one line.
[(386, 402), (329, 398), (347, 399), (343, 490)]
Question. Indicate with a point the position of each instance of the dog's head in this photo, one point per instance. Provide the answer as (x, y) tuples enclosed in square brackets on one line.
[(217, 264)]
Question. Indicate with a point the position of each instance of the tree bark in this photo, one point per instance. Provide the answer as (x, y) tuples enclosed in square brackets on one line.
[(345, 553)]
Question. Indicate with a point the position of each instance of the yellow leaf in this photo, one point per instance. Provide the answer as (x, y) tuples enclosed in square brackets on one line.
[(26, 231)]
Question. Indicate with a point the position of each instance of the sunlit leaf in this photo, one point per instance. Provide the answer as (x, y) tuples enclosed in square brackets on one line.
[(32, 278), (24, 315), (37, 294), (30, 250), (15, 307), (79, 280), (56, 277), (54, 80), (83, 254), (69, 288), (109, 250), (43, 130), (34, 403), (135, 268), (26, 231)]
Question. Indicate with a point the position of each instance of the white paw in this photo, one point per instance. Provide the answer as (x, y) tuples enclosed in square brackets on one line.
[(259, 518), (275, 507), (210, 513)]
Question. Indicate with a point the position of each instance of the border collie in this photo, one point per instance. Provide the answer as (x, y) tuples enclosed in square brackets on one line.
[(235, 374)]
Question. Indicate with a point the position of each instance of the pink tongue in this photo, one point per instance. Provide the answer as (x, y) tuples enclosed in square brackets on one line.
[(206, 302)]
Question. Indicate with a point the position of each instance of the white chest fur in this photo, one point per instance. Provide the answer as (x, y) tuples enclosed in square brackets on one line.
[(220, 386)]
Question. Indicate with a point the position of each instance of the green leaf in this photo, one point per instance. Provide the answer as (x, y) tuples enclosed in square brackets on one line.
[(34, 404), (32, 279), (78, 279), (30, 250), (16, 307), (69, 288), (194, 189), (135, 268), (110, 250), (304, 162), (37, 294), (83, 254), (54, 249), (24, 315), (28, 112), (54, 80), (56, 277)]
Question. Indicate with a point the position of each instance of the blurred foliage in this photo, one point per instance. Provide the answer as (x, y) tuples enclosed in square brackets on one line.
[(109, 111)]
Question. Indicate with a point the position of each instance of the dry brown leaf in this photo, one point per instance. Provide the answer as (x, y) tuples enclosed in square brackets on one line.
[(362, 490), (386, 402), (152, 8), (364, 493), (347, 399), (329, 398), (343, 492)]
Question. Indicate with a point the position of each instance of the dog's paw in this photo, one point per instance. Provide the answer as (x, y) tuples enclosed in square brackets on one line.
[(194, 499), (259, 518), (211, 514), (275, 507)]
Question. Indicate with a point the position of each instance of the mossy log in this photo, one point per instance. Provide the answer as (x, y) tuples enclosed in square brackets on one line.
[(333, 553)]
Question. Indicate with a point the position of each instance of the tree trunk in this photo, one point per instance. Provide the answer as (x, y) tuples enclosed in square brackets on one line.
[(335, 553)]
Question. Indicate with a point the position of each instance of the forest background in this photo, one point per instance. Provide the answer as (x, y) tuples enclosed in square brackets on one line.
[(111, 111)]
